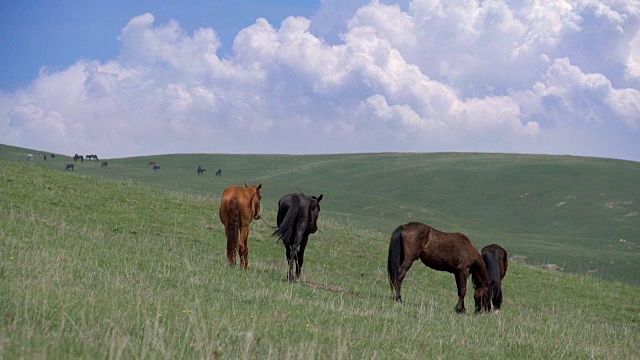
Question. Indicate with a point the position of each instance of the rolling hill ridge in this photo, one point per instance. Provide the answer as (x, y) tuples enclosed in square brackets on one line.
[(579, 213)]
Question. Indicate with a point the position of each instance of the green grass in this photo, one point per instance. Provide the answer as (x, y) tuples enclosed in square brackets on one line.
[(580, 213), (111, 269)]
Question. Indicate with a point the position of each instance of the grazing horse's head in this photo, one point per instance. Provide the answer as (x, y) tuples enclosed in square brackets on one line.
[(255, 200), (482, 297), (314, 211)]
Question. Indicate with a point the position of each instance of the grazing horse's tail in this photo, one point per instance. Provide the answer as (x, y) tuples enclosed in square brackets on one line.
[(396, 256), (233, 229), (285, 229)]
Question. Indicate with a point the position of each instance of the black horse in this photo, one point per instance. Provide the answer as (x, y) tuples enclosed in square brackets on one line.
[(495, 259), (156, 167), (219, 172), (92, 156), (77, 157), (104, 164), (201, 170), (69, 167), (297, 218)]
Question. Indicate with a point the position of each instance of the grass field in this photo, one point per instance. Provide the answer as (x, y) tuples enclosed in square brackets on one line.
[(113, 269), (579, 213)]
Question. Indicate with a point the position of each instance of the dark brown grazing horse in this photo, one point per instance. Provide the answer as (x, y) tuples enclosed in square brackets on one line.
[(495, 259), (451, 252), (238, 207), (104, 164), (297, 218)]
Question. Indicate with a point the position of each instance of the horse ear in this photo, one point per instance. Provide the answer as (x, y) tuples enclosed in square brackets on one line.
[(319, 197), (259, 186), (245, 185)]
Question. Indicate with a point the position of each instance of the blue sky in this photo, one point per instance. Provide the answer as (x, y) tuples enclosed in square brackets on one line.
[(127, 78), (55, 34)]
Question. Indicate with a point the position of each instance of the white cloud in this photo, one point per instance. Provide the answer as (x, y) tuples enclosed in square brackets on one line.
[(586, 98), (416, 76)]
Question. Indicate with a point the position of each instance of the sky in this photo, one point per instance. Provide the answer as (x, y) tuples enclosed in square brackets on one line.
[(131, 78)]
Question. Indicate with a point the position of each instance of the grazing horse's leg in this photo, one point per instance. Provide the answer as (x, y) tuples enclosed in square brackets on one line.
[(461, 283), (404, 268), (243, 249)]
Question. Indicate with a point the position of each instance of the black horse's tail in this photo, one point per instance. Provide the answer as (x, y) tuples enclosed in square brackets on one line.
[(492, 265), (285, 229), (396, 256), (233, 229)]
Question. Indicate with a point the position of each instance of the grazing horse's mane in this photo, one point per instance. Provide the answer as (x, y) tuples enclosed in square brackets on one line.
[(479, 275)]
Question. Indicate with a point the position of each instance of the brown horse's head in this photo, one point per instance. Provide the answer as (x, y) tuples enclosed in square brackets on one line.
[(314, 211), (255, 200), (482, 297)]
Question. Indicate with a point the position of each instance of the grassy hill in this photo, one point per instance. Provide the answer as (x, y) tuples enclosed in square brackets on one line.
[(111, 269), (579, 213)]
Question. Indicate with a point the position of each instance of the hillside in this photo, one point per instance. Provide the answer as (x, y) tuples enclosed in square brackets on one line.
[(110, 269), (579, 213)]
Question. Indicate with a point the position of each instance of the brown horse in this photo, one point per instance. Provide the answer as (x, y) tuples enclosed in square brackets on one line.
[(451, 252), (152, 162), (239, 206), (495, 259)]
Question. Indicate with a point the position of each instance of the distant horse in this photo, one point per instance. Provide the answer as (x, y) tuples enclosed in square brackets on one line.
[(92, 156), (77, 157), (53, 156), (69, 167), (201, 170), (495, 259), (451, 252), (297, 218), (104, 164), (238, 207), (152, 162), (45, 157), (30, 157), (219, 172), (156, 167)]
